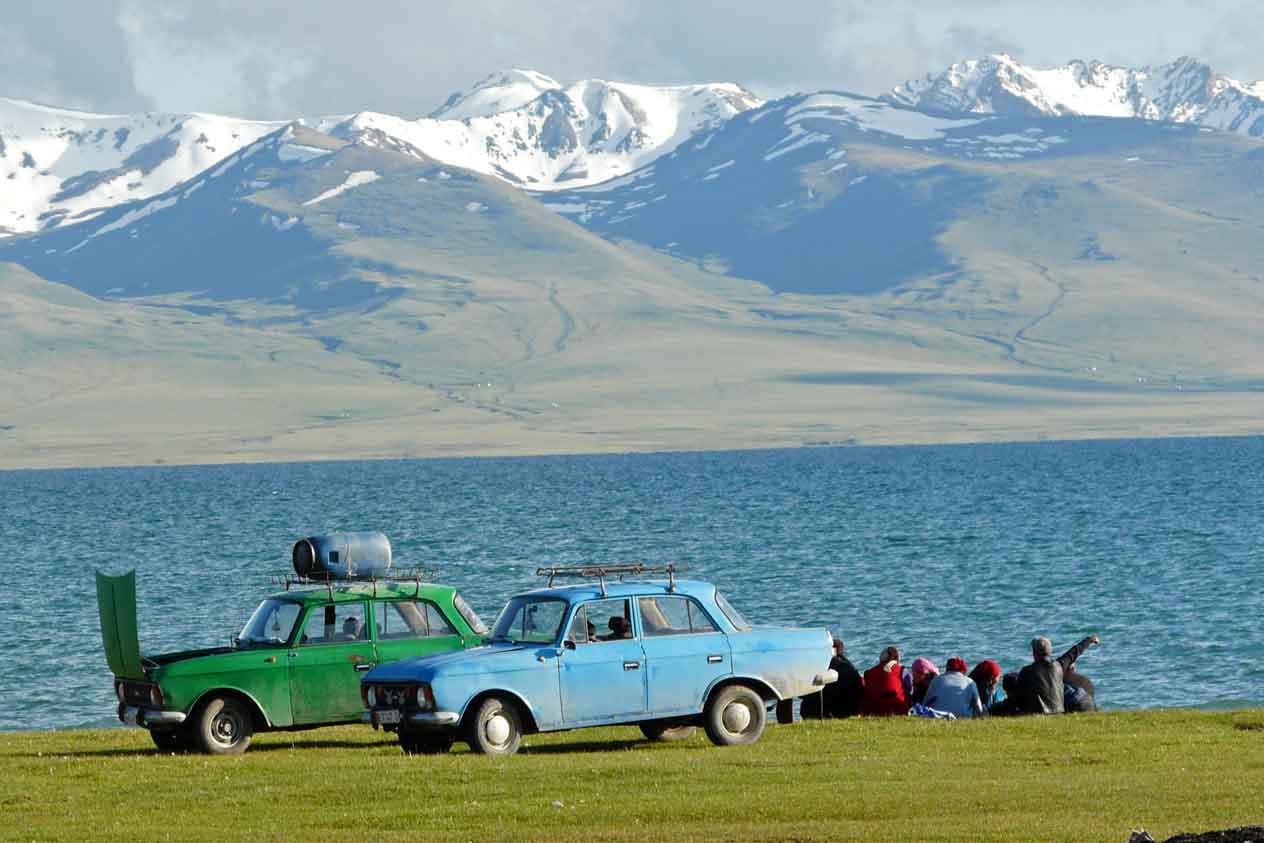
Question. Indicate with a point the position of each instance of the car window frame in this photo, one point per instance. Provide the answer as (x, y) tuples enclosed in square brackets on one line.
[(581, 606), (312, 609), (691, 603)]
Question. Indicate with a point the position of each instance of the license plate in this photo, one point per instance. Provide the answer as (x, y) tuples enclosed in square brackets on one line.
[(389, 716)]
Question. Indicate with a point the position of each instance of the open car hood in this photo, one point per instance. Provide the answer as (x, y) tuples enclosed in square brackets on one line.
[(116, 603)]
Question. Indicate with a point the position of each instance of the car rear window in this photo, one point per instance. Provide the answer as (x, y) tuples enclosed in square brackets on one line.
[(734, 616), (471, 616)]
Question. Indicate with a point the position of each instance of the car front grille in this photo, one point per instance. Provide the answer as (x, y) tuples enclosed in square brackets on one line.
[(392, 696), (137, 693)]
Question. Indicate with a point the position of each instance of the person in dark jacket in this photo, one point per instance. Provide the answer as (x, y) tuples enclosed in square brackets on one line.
[(1007, 706), (1040, 683), (837, 699)]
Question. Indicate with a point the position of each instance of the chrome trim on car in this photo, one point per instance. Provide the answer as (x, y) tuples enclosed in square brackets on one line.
[(434, 718), (137, 716)]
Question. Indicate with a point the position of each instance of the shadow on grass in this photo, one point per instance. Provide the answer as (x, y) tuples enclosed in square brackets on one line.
[(604, 746), (254, 748)]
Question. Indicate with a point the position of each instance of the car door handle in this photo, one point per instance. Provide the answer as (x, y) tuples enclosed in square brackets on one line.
[(363, 666), (714, 659), (631, 665)]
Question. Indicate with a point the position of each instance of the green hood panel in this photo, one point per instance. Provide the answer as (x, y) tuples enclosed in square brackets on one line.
[(116, 602)]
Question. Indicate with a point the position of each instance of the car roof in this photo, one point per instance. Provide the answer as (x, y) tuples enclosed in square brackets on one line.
[(349, 592), (592, 590)]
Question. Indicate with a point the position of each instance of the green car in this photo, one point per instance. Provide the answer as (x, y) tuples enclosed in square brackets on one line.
[(296, 664)]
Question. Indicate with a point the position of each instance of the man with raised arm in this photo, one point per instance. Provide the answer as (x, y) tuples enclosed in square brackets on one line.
[(1040, 683)]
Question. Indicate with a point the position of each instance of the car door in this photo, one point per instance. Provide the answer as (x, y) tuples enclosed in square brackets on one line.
[(331, 653), (602, 677), (403, 629), (684, 652)]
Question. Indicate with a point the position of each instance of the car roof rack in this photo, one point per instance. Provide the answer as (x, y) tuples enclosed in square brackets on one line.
[(417, 576), (600, 572)]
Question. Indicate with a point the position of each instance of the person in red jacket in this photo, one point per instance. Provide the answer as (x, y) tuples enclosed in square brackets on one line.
[(884, 686)]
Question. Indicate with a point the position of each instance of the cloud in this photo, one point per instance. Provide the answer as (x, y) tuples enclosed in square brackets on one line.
[(277, 60), (68, 53)]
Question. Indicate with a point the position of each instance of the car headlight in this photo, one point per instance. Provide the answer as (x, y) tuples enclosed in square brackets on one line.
[(118, 690), (155, 696), (370, 697)]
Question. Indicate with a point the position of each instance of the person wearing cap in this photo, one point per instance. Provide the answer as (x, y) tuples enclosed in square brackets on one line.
[(1040, 684), (884, 686), (954, 692), (837, 699), (923, 673)]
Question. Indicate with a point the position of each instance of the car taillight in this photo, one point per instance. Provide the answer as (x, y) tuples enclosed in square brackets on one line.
[(155, 696)]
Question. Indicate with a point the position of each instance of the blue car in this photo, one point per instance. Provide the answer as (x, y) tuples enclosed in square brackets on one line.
[(669, 656)]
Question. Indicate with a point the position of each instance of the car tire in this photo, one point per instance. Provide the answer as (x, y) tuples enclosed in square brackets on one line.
[(224, 726), (735, 715), (423, 743), (665, 732), (785, 712), (169, 740), (495, 728)]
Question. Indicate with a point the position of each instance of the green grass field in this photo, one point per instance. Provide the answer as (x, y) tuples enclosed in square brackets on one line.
[(1079, 778)]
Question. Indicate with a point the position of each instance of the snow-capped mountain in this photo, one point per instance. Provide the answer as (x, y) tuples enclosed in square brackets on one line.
[(561, 137), (1184, 91), (58, 165)]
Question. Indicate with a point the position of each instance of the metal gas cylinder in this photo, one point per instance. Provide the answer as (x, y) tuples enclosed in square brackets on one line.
[(343, 556)]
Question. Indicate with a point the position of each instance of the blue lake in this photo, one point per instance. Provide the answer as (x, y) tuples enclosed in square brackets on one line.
[(1156, 545)]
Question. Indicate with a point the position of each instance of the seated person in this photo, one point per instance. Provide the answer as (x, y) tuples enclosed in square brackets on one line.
[(350, 629), (1007, 706), (954, 692), (619, 628)]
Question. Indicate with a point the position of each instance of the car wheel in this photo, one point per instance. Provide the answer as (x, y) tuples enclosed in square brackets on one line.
[(169, 740), (224, 726), (735, 715), (495, 728), (661, 732), (785, 711), (433, 743)]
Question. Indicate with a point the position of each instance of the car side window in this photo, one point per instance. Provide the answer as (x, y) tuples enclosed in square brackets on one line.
[(602, 620), (401, 619), (335, 623), (673, 615)]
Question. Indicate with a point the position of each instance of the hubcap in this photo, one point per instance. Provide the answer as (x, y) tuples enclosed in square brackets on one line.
[(736, 717), (497, 729), (226, 728)]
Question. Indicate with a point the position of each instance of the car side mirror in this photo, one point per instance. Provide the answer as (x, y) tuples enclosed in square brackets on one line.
[(568, 644)]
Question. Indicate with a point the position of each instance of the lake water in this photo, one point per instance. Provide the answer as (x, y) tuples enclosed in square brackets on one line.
[(1156, 545)]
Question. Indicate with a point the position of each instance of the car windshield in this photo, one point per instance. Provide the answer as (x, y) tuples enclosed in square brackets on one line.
[(530, 620), (271, 623)]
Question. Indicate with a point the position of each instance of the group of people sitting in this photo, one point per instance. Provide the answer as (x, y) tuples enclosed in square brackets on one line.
[(1046, 686)]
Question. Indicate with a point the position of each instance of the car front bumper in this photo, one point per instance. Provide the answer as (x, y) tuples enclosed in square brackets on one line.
[(134, 715), (418, 719)]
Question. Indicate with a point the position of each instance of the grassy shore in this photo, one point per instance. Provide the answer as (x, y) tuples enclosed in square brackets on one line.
[(1080, 778)]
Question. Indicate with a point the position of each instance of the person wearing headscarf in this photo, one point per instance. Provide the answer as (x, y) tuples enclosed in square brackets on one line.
[(884, 686), (924, 672), (954, 692), (840, 698), (987, 678), (1040, 684)]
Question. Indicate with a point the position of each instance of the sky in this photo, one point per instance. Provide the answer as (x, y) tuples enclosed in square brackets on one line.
[(263, 59)]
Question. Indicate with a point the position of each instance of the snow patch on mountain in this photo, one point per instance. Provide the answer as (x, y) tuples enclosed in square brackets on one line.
[(356, 179), (1183, 91), (59, 165), (587, 133)]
